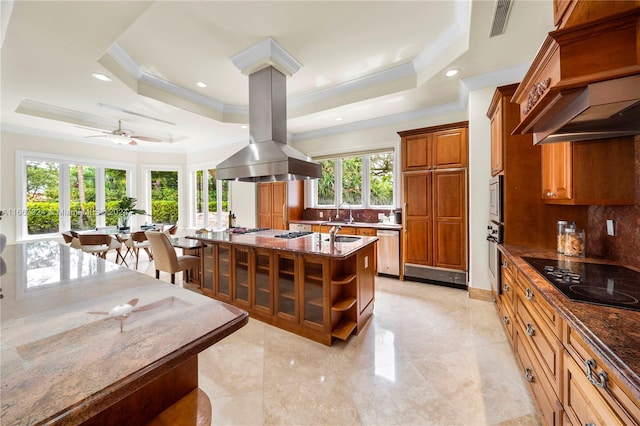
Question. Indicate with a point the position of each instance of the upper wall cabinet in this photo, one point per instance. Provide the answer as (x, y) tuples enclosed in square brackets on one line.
[(569, 13), (440, 147), (572, 58)]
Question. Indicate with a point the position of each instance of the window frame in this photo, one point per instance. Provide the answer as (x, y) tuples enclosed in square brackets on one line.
[(366, 184), (193, 188), (64, 192)]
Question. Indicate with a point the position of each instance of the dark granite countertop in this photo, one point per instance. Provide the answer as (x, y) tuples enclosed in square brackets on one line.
[(64, 355), (612, 333), (313, 243)]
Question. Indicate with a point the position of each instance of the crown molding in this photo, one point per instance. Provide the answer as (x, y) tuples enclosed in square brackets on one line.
[(266, 53)]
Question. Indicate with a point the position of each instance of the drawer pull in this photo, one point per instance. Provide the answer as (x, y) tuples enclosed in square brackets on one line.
[(505, 287), (590, 424), (528, 374), (505, 319), (529, 294), (530, 330), (601, 381)]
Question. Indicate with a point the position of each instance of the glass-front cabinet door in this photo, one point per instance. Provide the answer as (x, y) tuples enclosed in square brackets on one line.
[(241, 275), (286, 292), (262, 275), (207, 273), (315, 294), (223, 273)]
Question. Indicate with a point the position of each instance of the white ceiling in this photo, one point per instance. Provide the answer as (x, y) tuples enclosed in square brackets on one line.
[(365, 62)]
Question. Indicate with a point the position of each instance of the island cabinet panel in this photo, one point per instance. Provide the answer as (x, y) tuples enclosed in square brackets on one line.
[(241, 276), (286, 288), (315, 292), (262, 299), (216, 271), (366, 284)]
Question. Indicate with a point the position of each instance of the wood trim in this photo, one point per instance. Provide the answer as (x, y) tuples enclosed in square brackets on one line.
[(480, 294), (448, 126)]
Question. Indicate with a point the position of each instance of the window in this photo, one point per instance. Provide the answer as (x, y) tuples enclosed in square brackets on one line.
[(366, 181), (211, 200), (61, 193), (164, 196), (42, 197)]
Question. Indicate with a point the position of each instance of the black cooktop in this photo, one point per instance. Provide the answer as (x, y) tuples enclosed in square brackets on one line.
[(597, 283), (294, 234)]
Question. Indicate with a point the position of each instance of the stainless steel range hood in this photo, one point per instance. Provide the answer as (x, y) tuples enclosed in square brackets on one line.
[(598, 111), (268, 158)]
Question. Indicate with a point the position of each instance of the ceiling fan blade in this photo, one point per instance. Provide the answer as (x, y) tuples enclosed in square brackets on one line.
[(146, 138), (133, 142)]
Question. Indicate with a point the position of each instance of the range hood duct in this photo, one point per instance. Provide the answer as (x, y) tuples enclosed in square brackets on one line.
[(601, 110), (268, 158)]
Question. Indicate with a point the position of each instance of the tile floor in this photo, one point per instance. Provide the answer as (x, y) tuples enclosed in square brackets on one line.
[(429, 356)]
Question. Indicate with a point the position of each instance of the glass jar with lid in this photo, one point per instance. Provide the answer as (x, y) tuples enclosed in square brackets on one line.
[(574, 242), (562, 225)]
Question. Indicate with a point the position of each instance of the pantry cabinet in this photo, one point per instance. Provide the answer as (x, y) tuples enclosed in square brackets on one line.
[(435, 148), (435, 203), (278, 203), (589, 173)]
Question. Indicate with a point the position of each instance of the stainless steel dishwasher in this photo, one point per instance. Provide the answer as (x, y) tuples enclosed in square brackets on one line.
[(388, 252)]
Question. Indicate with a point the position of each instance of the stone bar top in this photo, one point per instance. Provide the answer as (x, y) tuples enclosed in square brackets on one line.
[(64, 355), (376, 225), (316, 244), (612, 333)]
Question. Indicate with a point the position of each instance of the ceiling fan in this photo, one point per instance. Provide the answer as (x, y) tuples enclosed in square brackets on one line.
[(122, 136)]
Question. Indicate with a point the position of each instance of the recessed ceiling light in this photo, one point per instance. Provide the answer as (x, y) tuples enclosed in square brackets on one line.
[(100, 76), (452, 72), (244, 126), (338, 118), (201, 84)]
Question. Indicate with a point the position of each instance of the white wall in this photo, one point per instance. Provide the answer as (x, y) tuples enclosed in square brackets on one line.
[(479, 175)]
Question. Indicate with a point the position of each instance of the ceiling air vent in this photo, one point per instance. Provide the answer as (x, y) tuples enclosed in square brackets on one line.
[(500, 17)]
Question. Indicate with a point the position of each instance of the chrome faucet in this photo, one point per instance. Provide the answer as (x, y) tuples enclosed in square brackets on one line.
[(332, 233), (338, 212), (320, 229)]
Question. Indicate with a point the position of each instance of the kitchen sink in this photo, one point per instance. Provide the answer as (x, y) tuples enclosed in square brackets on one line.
[(345, 239)]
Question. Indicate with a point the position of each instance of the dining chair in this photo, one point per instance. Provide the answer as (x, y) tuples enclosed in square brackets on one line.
[(166, 259), (97, 244), (170, 229), (71, 240), (136, 241)]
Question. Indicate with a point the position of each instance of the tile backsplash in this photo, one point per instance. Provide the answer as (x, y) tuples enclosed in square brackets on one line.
[(625, 246)]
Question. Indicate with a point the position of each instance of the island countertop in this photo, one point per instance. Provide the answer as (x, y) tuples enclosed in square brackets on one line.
[(65, 358), (314, 243)]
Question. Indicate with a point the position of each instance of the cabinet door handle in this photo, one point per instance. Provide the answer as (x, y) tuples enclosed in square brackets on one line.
[(530, 330), (505, 264), (551, 194), (601, 380), (284, 214), (529, 294), (404, 217), (528, 374), (505, 287), (505, 319)]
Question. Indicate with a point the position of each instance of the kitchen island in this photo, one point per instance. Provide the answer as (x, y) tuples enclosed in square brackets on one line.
[(306, 285), (88, 341)]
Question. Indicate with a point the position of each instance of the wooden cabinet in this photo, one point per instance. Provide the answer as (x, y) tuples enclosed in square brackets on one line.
[(569, 382), (278, 203), (217, 272), (526, 217), (592, 394), (569, 13), (435, 218), (575, 56), (435, 148), (589, 173)]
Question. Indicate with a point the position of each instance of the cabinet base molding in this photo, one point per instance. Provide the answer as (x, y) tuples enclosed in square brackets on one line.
[(445, 276), (481, 294)]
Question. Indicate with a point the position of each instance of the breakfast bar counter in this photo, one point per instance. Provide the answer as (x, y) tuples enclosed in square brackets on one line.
[(85, 340)]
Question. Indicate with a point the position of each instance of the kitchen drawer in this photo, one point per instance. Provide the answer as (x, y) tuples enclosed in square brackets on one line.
[(508, 320), (370, 232), (611, 397), (549, 407), (509, 285), (549, 315), (546, 346)]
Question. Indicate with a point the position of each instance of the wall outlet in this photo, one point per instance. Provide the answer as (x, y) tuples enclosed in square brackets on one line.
[(611, 227), (321, 214)]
